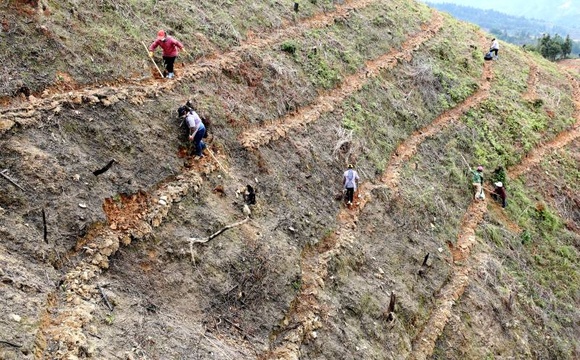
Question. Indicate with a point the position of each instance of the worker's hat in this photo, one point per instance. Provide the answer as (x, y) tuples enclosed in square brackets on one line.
[(498, 184), (480, 168), (349, 166), (161, 34)]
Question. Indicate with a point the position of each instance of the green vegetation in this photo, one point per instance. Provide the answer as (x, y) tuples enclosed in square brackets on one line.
[(553, 47)]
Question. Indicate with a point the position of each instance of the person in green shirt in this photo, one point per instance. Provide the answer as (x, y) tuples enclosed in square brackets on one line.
[(477, 181)]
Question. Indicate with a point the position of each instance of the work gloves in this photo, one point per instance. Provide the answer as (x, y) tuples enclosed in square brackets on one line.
[(150, 54)]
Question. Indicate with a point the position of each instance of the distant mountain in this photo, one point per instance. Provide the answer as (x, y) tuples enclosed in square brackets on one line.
[(561, 12), (514, 29)]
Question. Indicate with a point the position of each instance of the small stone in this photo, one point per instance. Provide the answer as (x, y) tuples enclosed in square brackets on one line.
[(440, 249), (83, 205), (162, 202), (15, 317), (314, 335), (76, 177), (381, 271), (164, 198), (291, 229)]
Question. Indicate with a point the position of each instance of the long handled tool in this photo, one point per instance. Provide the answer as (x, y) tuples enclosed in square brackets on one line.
[(217, 161), (157, 67)]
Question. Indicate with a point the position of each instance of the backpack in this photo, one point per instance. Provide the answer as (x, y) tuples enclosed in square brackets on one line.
[(488, 56)]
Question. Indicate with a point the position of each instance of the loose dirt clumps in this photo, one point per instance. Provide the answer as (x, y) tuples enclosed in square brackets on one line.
[(63, 334), (254, 138)]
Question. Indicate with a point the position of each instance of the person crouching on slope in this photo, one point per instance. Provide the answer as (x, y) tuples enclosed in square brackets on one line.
[(350, 179), (499, 194), (169, 46), (196, 131)]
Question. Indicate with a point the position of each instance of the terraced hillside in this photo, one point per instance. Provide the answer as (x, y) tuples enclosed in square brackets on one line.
[(158, 258)]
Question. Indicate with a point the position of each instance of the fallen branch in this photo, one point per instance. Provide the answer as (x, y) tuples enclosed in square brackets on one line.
[(203, 241), (105, 298), (197, 240), (9, 343), (44, 227), (9, 179), (107, 167)]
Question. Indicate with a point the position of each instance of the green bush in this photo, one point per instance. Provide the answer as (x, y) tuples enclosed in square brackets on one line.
[(289, 46)]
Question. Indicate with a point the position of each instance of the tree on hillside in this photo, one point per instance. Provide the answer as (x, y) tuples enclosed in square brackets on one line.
[(567, 47), (554, 47)]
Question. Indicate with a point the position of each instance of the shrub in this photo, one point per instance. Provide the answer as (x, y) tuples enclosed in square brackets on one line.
[(289, 46)]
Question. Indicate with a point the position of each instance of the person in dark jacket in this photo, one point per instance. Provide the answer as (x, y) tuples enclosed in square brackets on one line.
[(499, 194)]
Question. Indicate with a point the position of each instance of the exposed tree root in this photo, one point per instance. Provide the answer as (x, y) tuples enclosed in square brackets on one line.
[(64, 328)]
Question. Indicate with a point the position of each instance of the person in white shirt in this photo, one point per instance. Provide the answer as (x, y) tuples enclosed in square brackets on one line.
[(350, 179), (494, 47), (196, 131)]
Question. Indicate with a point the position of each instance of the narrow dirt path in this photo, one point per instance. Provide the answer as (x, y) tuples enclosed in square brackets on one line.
[(254, 138), (408, 147), (565, 137), (532, 82), (424, 343), (129, 218), (306, 311), (137, 91)]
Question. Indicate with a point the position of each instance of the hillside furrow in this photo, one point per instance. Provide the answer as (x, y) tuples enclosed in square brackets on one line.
[(565, 137), (424, 343), (43, 109), (306, 311), (254, 138), (62, 333), (408, 147), (532, 82)]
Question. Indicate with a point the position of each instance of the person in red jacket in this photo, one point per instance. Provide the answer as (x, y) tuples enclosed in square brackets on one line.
[(169, 46)]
